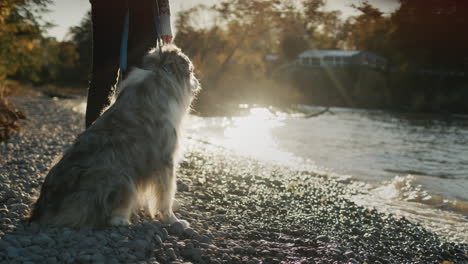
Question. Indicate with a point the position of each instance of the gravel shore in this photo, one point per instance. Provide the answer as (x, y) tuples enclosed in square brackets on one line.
[(240, 210)]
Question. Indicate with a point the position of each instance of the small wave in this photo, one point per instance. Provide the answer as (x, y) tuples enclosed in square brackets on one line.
[(405, 197), (427, 190), (415, 172)]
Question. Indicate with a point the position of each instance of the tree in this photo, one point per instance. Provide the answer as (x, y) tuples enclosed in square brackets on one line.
[(230, 52), (292, 44), (81, 37), (431, 33), (243, 37), (323, 27), (370, 30), (204, 45), (20, 30)]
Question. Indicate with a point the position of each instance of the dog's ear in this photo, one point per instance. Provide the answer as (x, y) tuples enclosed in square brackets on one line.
[(180, 65), (175, 59)]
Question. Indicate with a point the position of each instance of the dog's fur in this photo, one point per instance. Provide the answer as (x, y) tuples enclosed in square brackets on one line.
[(126, 159)]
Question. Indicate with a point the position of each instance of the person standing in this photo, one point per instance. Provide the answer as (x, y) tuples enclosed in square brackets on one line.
[(108, 19)]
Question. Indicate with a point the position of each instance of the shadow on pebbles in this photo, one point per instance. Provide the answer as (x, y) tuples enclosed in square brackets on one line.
[(240, 210)]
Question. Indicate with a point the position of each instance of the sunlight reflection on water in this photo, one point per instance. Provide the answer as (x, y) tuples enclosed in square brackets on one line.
[(80, 108), (249, 135)]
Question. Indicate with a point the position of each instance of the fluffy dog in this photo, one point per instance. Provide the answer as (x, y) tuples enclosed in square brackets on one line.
[(126, 159)]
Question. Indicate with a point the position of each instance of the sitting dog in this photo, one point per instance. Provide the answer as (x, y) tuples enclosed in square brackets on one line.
[(126, 159)]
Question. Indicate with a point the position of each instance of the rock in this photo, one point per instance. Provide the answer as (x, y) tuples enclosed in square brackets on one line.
[(164, 234), (192, 253), (25, 241), (189, 232), (251, 250), (182, 187), (336, 251), (89, 242), (116, 236), (323, 238), (124, 250), (35, 257), (12, 252), (3, 245), (355, 231), (83, 259), (158, 240), (171, 254), (131, 258), (98, 258), (51, 260), (139, 245), (35, 249), (238, 250), (177, 229), (42, 240), (113, 261), (204, 239), (34, 227)]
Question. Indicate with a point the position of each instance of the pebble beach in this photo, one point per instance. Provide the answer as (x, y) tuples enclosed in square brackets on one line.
[(241, 210)]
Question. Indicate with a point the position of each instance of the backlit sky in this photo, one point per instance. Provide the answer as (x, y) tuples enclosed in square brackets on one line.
[(67, 13)]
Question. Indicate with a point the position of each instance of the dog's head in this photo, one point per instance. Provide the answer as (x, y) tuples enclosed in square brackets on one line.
[(173, 61)]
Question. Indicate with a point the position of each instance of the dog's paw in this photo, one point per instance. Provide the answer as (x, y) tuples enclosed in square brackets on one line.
[(167, 218), (119, 221), (184, 223), (175, 205), (170, 219)]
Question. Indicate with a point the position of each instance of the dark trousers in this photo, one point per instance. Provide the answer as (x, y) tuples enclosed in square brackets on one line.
[(108, 22)]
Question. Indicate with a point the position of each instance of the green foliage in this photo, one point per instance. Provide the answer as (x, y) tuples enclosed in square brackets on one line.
[(20, 33), (26, 55), (230, 53)]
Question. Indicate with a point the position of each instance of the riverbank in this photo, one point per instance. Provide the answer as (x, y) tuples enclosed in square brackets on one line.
[(241, 211), (364, 87)]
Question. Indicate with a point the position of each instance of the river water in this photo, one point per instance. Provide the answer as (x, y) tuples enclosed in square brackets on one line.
[(411, 165)]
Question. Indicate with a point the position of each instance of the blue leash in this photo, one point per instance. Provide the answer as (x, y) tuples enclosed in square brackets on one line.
[(124, 42)]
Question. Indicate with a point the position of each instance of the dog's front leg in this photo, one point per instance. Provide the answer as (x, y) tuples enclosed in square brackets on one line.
[(165, 192)]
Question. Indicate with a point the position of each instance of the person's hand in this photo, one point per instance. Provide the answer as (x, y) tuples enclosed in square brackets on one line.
[(166, 39)]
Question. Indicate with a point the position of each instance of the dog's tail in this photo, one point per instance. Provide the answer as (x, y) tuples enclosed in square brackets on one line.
[(88, 205), (48, 201), (37, 210), (83, 209)]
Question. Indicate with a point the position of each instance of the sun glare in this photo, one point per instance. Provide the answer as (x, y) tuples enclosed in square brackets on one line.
[(251, 135), (80, 108)]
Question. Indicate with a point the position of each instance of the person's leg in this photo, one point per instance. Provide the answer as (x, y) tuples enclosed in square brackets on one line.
[(107, 18), (142, 33)]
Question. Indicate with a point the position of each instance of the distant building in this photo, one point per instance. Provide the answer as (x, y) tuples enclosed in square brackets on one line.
[(271, 58), (327, 58)]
